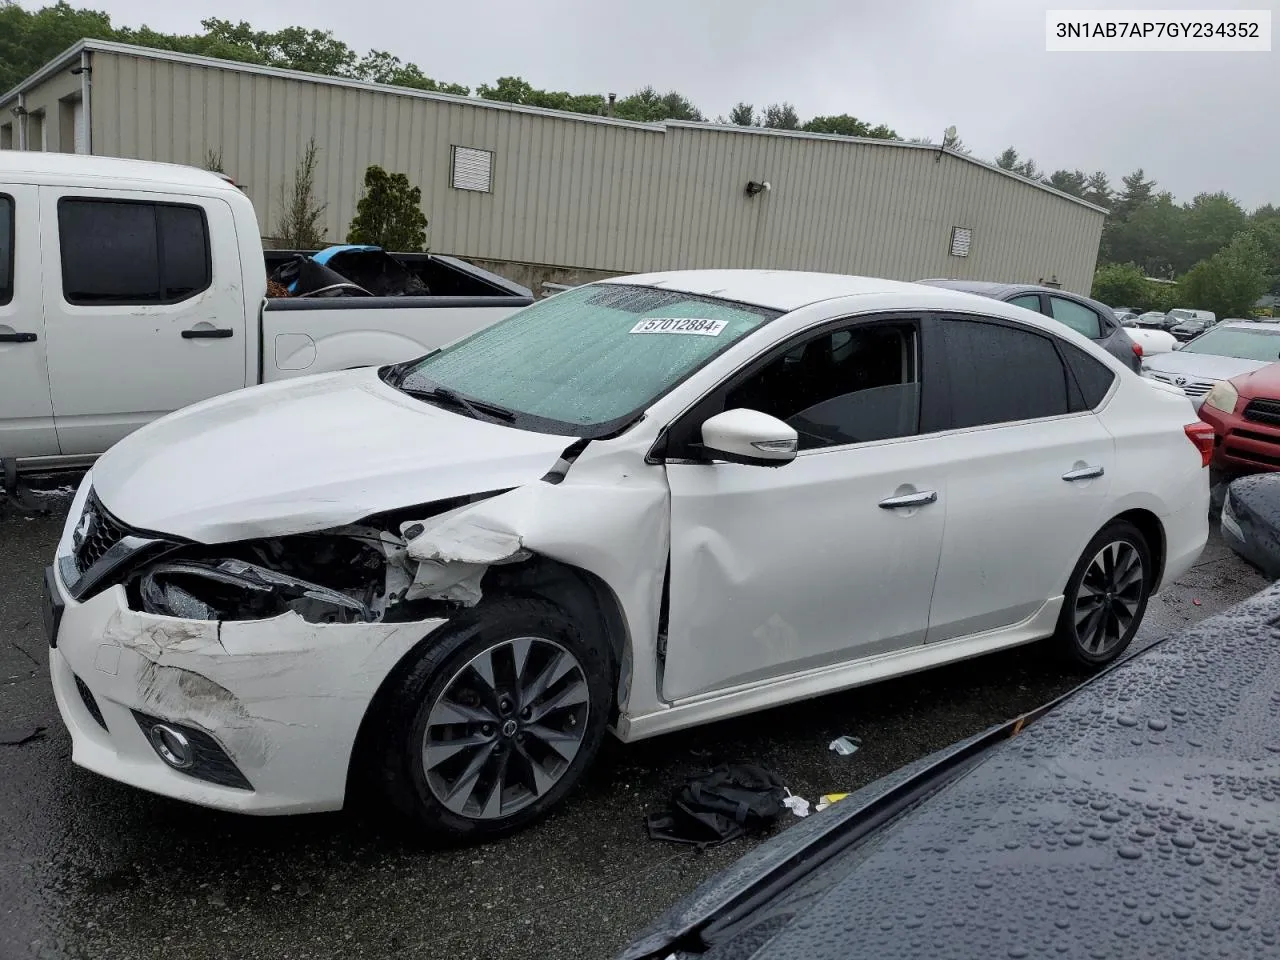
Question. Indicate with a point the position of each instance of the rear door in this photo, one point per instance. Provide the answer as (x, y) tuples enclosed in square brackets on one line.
[(143, 308), (26, 409), (1029, 471)]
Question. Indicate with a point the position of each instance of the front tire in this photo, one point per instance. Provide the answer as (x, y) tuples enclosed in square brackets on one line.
[(496, 722), (1106, 596)]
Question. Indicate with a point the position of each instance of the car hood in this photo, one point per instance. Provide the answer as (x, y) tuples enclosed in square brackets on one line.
[(308, 454), (1263, 382), (1139, 811), (1203, 366)]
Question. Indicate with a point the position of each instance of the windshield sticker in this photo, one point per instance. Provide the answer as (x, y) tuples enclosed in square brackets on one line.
[(688, 325)]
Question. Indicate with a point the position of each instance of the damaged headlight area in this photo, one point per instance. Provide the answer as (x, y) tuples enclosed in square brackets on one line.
[(337, 577), (353, 574)]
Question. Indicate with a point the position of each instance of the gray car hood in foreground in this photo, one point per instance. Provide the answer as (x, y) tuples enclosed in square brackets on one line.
[(1139, 817), (1202, 366)]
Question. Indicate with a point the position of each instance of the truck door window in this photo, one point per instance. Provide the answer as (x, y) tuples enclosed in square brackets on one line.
[(6, 249), (117, 252)]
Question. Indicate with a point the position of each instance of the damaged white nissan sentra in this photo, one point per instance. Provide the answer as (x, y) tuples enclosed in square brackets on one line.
[(639, 505)]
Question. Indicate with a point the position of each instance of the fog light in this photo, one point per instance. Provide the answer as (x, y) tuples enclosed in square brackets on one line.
[(172, 745)]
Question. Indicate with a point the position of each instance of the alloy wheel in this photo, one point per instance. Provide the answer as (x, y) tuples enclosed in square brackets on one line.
[(1109, 597), (506, 728)]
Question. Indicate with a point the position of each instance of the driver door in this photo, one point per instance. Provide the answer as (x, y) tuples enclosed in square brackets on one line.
[(826, 559)]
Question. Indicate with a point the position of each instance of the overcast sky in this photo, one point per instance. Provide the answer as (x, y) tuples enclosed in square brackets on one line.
[(1196, 122)]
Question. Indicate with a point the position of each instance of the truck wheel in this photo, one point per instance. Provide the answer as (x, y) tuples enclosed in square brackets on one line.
[(1106, 596), (496, 722)]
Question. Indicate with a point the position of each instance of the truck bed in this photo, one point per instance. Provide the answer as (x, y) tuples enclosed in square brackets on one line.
[(305, 335), (447, 277)]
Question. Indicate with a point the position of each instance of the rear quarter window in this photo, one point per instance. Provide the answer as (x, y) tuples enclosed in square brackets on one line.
[(1092, 378)]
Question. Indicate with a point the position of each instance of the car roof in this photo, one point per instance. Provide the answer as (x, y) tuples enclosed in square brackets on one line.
[(52, 167), (1137, 812), (786, 290)]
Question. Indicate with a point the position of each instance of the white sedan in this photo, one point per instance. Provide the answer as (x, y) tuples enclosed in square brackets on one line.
[(638, 506)]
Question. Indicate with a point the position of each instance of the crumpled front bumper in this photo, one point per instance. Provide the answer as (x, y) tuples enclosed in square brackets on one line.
[(283, 698)]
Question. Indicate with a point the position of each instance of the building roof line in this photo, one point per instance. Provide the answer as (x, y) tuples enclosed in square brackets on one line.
[(72, 53)]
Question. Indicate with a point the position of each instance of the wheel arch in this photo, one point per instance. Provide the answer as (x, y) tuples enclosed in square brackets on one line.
[(582, 595), (1152, 530)]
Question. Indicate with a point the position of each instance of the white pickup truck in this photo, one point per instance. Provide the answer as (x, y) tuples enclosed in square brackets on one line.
[(131, 289)]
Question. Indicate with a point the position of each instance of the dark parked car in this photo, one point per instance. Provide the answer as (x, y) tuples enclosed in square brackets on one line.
[(1154, 320), (1088, 317), (1138, 816), (1190, 328)]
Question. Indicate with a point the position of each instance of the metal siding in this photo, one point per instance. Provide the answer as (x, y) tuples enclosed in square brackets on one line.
[(599, 196)]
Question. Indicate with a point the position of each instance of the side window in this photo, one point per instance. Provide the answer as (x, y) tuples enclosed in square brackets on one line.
[(1029, 301), (1092, 378), (1076, 316), (126, 252), (6, 248), (1001, 374), (853, 385)]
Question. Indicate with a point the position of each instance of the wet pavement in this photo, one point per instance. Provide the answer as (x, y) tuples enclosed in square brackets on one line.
[(93, 869)]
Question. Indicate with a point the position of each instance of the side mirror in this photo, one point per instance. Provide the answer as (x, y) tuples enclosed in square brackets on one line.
[(750, 437)]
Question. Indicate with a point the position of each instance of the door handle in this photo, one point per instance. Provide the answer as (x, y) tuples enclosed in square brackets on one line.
[(910, 500), (17, 338), (216, 333), (1084, 473)]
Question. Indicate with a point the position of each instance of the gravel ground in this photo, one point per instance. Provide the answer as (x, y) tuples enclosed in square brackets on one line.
[(93, 869)]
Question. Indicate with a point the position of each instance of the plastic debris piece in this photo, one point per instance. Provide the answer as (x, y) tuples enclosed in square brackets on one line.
[(797, 805), (827, 799), (845, 746), (1196, 602), (17, 736)]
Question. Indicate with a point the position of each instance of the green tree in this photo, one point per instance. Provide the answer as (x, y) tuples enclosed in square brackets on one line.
[(1121, 285), (781, 116), (1071, 182), (1137, 192), (743, 115), (1209, 223), (1097, 189), (299, 226), (1230, 282), (378, 66), (389, 214), (848, 126), (1009, 160), (648, 106), (29, 40), (519, 90)]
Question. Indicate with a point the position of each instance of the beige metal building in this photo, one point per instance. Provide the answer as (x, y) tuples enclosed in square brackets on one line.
[(540, 194)]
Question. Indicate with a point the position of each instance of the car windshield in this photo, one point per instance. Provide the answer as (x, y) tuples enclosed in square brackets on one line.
[(583, 362), (1263, 345)]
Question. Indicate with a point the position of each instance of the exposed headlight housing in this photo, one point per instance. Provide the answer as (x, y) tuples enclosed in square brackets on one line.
[(1224, 396)]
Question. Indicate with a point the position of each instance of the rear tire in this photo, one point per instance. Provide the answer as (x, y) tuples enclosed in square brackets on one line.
[(1106, 596), (496, 722)]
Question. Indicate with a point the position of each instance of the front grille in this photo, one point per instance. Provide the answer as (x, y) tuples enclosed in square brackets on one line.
[(1192, 388), (1255, 435), (90, 704), (1251, 455), (95, 534), (1263, 411)]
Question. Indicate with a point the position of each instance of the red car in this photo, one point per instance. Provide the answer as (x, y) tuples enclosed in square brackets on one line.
[(1245, 415)]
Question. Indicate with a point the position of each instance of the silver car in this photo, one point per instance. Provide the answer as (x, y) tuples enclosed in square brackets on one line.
[(1225, 351)]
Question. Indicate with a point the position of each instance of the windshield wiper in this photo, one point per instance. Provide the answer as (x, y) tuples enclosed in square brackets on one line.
[(473, 408)]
